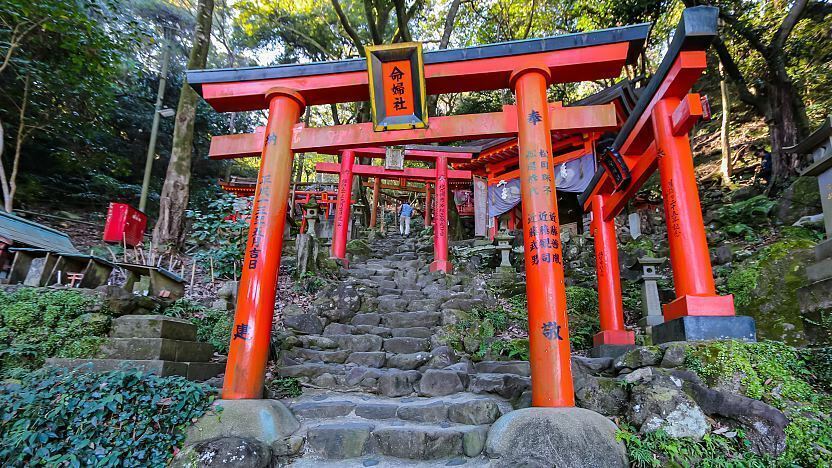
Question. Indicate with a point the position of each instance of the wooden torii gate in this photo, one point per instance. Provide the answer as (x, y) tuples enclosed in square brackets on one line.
[(440, 175), (527, 68)]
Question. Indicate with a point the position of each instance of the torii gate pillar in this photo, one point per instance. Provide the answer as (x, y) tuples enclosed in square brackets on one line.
[(613, 339), (374, 207), (251, 335), (551, 366), (440, 228), (427, 204), (342, 210), (689, 255)]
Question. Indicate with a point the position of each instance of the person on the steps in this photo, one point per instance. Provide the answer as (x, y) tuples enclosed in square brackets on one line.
[(404, 219)]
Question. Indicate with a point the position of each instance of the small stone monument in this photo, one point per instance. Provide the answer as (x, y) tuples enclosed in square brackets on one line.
[(651, 304), (311, 211), (504, 239), (816, 298)]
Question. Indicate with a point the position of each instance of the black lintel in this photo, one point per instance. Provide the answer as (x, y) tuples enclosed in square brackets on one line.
[(636, 35)]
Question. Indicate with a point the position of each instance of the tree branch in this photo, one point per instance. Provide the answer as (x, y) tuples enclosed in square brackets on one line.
[(752, 36), (731, 68), (345, 23), (371, 22), (531, 18), (450, 18), (401, 20), (16, 39), (788, 24)]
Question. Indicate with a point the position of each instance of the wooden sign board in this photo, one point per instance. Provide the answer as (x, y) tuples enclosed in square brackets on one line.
[(397, 86), (394, 158)]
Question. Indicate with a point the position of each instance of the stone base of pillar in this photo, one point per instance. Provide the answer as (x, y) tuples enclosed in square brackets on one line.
[(650, 320), (614, 337), (441, 265), (699, 306), (610, 351), (737, 327), (507, 271)]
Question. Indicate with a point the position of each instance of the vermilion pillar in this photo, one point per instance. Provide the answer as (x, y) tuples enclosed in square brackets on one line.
[(427, 204), (551, 370), (440, 217), (689, 255), (251, 335), (374, 208), (610, 306), (342, 210)]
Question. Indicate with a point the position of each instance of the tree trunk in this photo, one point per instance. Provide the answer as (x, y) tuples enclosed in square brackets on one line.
[(170, 226), (784, 123), (726, 166)]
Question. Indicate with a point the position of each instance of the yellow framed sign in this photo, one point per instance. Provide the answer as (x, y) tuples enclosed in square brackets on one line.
[(397, 86)]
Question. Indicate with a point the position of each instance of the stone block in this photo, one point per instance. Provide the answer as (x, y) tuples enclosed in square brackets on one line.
[(440, 382), (200, 371), (411, 319), (367, 359), (313, 355), (338, 329), (504, 367), (412, 332), (376, 410), (419, 443), (506, 385), (216, 453), (395, 383), (157, 367), (358, 343), (548, 437), (265, 420), (698, 328), (407, 361), (406, 345), (473, 440), (432, 412), (304, 323), (819, 271), (609, 350), (339, 440), (322, 409), (367, 319), (156, 348), (476, 412), (153, 326)]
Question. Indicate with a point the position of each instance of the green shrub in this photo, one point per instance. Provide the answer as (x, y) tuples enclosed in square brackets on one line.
[(212, 325), (778, 375), (752, 211), (657, 449), (41, 324), (284, 387), (222, 235), (60, 418), (582, 305)]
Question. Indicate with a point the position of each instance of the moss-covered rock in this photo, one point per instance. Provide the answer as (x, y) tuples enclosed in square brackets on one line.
[(801, 198), (358, 248), (766, 289)]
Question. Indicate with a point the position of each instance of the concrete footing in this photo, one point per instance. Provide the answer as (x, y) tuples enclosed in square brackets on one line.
[(268, 421), (693, 328)]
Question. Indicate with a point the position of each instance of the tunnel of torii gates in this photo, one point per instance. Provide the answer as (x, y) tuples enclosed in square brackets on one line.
[(655, 135)]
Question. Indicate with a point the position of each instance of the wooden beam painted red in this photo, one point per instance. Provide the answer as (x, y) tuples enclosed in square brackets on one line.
[(686, 114), (412, 173)]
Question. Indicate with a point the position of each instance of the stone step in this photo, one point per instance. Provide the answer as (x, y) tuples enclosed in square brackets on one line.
[(360, 343), (504, 367), (412, 332), (153, 326), (312, 355), (198, 371), (411, 319), (156, 349), (406, 345)]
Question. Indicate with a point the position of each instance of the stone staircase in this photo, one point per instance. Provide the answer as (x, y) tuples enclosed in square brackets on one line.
[(385, 389), (152, 343)]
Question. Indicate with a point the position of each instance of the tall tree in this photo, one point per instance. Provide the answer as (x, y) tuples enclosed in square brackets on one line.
[(770, 89), (726, 166), (170, 226)]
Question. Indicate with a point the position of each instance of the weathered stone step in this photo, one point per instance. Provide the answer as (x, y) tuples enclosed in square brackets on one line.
[(406, 345), (153, 326), (198, 371), (411, 319), (156, 349)]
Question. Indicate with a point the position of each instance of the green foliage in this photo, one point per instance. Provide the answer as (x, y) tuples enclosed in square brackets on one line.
[(582, 305), (39, 324), (60, 418), (284, 387), (220, 230), (657, 448), (212, 326), (778, 375), (741, 283), (513, 349), (819, 360), (476, 332), (753, 211)]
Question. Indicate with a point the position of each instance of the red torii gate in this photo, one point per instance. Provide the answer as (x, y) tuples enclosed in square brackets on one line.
[(527, 67), (440, 174)]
